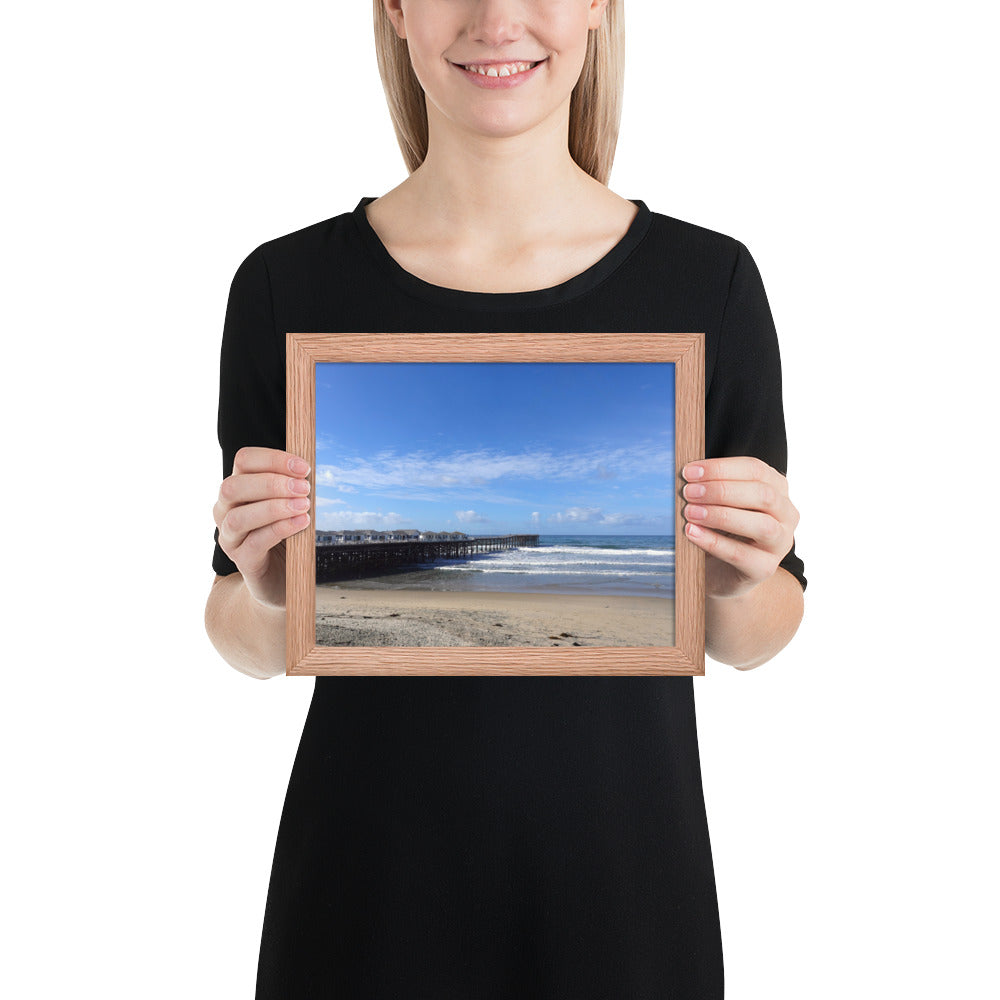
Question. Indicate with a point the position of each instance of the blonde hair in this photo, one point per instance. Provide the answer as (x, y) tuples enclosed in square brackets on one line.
[(595, 105)]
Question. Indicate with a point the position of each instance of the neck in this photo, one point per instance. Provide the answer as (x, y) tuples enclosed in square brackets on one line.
[(504, 189)]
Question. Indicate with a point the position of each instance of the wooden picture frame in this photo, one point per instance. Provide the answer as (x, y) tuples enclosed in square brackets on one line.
[(684, 350)]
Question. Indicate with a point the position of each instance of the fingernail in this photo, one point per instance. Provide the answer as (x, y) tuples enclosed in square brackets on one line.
[(694, 531), (693, 472), (299, 467), (299, 503), (694, 491), (693, 511), (298, 485)]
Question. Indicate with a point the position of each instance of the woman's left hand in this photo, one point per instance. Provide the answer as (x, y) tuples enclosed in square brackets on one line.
[(739, 513)]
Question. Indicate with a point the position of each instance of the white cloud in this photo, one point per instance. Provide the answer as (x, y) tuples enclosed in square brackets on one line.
[(580, 514), (594, 515), (336, 519), (625, 519), (326, 477), (464, 469), (327, 501), (467, 494), (471, 517)]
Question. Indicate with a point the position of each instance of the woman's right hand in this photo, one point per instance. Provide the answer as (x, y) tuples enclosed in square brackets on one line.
[(262, 503)]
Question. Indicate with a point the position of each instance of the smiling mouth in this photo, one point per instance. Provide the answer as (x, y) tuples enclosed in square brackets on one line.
[(499, 69)]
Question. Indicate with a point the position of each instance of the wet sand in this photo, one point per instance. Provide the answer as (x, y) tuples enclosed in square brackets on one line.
[(346, 617)]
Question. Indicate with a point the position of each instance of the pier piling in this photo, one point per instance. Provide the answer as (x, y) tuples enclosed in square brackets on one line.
[(346, 561)]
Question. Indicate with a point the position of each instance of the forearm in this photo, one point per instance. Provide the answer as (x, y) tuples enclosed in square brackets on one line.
[(248, 636), (747, 631)]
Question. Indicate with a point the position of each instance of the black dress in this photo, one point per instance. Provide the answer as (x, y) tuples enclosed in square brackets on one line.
[(472, 838)]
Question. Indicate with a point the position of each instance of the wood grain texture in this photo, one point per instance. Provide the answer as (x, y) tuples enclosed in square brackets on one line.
[(685, 350), (300, 549), (689, 560)]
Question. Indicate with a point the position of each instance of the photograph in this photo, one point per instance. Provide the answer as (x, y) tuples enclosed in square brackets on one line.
[(495, 504)]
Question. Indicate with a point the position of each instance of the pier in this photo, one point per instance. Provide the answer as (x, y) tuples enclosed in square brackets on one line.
[(350, 561)]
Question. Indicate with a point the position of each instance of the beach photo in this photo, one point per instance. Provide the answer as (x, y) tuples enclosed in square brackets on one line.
[(494, 504)]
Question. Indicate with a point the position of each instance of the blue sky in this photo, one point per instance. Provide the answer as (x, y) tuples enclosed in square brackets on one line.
[(561, 448)]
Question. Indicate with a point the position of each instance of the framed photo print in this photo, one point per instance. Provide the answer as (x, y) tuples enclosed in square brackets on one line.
[(495, 503)]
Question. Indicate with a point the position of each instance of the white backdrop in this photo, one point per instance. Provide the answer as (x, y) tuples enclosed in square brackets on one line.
[(848, 781)]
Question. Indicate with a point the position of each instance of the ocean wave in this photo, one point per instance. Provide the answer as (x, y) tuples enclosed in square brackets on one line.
[(611, 564), (601, 550), (623, 572)]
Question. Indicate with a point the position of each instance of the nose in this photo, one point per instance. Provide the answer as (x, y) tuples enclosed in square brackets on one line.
[(497, 22)]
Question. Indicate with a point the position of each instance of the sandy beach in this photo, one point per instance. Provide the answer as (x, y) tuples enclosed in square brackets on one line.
[(356, 617)]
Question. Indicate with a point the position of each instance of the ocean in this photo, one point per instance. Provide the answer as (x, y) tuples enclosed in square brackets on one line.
[(634, 565)]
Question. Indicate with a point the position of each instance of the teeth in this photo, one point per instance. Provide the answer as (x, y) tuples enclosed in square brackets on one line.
[(507, 69)]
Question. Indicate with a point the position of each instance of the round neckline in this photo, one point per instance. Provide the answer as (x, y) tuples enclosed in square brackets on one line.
[(533, 298)]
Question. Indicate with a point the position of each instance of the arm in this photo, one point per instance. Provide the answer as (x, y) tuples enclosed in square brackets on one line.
[(264, 497), (738, 510), (248, 635), (747, 631)]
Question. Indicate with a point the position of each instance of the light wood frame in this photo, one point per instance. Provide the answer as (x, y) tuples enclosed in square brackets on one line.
[(685, 350)]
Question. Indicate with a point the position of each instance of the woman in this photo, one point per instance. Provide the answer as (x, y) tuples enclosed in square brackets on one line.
[(481, 837)]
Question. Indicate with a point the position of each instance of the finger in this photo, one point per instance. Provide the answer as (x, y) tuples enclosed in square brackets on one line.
[(760, 529), (252, 486), (737, 493), (751, 561), (742, 467), (252, 554), (251, 459), (242, 520)]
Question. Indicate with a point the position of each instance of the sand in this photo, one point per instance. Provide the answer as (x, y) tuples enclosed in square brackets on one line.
[(346, 617)]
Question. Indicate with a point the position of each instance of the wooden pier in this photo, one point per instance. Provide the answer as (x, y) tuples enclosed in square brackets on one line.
[(350, 561)]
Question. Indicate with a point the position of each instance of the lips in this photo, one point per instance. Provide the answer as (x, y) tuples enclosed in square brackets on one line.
[(496, 75)]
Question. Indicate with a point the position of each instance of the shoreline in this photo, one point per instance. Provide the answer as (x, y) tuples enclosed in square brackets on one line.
[(347, 616)]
